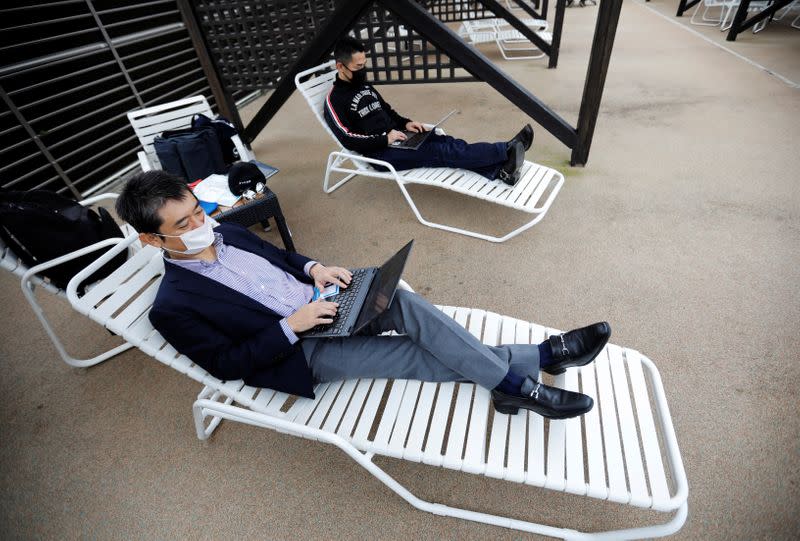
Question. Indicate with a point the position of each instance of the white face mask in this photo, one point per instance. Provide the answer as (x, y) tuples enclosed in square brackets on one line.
[(197, 239)]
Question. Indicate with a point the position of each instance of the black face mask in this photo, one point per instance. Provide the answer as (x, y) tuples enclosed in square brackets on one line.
[(358, 77)]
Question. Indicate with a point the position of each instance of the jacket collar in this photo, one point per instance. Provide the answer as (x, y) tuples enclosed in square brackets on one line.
[(196, 284)]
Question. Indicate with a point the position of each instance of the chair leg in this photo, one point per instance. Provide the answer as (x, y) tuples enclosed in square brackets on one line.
[(512, 234), (28, 290), (208, 407), (334, 159), (200, 414)]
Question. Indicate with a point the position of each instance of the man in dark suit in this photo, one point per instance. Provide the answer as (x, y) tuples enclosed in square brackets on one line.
[(238, 306)]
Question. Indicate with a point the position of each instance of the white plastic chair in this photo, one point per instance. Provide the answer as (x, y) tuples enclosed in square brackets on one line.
[(706, 5), (30, 281), (727, 13), (150, 122), (624, 450), (730, 13), (510, 41), (533, 193)]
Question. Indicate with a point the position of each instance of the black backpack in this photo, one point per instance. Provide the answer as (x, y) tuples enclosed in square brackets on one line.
[(40, 225)]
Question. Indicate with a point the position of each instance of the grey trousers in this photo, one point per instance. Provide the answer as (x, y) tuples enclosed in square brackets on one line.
[(432, 347)]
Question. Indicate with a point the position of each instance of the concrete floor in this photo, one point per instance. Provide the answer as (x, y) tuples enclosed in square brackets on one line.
[(683, 231)]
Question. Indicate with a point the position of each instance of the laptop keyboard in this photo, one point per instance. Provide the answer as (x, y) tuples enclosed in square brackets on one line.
[(345, 298)]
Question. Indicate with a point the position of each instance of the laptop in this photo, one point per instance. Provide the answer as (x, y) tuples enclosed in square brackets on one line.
[(415, 139), (369, 294)]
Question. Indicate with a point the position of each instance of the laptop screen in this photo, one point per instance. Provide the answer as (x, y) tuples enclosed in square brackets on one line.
[(381, 291)]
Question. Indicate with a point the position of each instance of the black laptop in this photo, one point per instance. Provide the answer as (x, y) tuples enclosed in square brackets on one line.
[(369, 294), (415, 139)]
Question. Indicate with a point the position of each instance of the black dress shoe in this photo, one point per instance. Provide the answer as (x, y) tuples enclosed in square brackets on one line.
[(577, 347), (525, 136), (547, 401), (509, 172)]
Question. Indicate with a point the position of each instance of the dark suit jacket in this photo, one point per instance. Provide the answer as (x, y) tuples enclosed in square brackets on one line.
[(227, 333)]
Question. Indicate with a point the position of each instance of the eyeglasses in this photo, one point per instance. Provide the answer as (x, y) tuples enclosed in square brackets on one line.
[(250, 194)]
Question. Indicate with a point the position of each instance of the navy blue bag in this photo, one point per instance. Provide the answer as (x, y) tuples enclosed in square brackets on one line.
[(224, 129), (191, 153)]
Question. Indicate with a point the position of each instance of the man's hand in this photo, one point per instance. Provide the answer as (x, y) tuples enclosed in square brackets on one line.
[(323, 276), (395, 135), (312, 314), (414, 126)]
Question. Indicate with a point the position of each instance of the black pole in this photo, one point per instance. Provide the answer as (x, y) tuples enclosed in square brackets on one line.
[(558, 25), (604, 32), (227, 107), (686, 5), (740, 25), (346, 14), (481, 67)]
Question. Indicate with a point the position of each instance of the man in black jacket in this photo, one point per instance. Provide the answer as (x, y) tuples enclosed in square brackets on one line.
[(239, 306), (363, 121)]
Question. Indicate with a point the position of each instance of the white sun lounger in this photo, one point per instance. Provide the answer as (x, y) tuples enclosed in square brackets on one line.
[(30, 281), (509, 40), (624, 450), (534, 192)]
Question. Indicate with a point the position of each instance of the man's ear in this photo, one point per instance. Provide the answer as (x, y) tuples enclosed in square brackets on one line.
[(151, 239)]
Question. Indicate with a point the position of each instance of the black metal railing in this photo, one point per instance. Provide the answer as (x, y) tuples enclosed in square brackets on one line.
[(71, 70)]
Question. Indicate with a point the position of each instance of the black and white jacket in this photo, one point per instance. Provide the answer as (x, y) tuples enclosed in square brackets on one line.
[(359, 116)]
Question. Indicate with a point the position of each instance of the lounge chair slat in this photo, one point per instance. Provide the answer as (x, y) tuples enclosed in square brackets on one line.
[(536, 466), (517, 435), (556, 447), (433, 447), (419, 424), (364, 423), (630, 439), (324, 405), (495, 462), (402, 424), (576, 482), (354, 408), (302, 409), (262, 400), (456, 438), (108, 285), (617, 489), (652, 452), (594, 439), (125, 291), (390, 411), (277, 402)]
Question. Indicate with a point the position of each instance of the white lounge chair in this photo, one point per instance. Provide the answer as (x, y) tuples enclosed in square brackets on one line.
[(727, 13), (31, 280), (150, 122), (624, 450), (510, 41), (534, 192)]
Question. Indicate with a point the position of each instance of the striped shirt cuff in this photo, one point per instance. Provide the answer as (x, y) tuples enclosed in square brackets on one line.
[(287, 330), (307, 267)]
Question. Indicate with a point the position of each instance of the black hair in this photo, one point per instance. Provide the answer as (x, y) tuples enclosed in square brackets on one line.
[(345, 48), (145, 194)]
